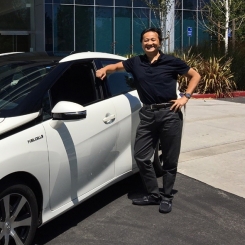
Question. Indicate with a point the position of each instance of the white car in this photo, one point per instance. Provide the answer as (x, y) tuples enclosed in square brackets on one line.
[(64, 136)]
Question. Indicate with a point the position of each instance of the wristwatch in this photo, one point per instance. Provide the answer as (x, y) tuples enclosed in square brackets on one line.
[(187, 95)]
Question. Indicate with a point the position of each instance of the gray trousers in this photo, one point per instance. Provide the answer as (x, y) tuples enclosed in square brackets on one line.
[(167, 126)]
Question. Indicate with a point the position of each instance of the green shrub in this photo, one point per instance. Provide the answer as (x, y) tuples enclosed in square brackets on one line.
[(237, 53), (216, 75)]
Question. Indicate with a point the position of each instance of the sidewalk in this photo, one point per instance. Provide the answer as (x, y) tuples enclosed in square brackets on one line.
[(213, 145)]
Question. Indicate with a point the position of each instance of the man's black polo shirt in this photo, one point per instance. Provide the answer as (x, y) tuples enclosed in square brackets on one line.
[(156, 83)]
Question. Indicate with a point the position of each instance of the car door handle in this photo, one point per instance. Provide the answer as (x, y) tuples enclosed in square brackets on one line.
[(109, 119)]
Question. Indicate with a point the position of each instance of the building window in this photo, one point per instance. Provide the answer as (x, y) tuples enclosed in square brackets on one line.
[(139, 3), (15, 15), (190, 4), (178, 30), (63, 1), (123, 3), (104, 2), (141, 22), (84, 25), (63, 28), (48, 27), (189, 21), (84, 2), (123, 30), (104, 30)]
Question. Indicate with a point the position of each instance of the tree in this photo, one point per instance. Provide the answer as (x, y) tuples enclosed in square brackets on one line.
[(160, 9), (218, 16)]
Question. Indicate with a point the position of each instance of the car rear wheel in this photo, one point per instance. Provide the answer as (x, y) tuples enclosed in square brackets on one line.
[(18, 214), (157, 161)]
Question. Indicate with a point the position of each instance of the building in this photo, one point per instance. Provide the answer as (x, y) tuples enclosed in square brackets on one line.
[(114, 26)]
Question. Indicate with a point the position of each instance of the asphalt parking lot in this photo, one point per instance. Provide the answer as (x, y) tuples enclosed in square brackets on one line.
[(205, 210), (201, 215)]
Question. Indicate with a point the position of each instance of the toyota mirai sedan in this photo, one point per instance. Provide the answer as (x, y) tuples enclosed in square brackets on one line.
[(64, 136)]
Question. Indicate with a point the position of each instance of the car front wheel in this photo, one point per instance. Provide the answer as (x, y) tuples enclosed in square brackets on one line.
[(18, 214)]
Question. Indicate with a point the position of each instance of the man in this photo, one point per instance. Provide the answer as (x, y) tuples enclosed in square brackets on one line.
[(160, 117)]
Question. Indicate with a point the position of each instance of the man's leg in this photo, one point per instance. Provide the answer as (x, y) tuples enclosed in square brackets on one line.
[(145, 142), (170, 137)]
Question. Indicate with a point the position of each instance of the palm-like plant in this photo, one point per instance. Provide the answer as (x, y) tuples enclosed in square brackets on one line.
[(216, 77), (191, 60)]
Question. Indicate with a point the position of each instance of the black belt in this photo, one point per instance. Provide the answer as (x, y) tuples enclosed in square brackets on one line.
[(158, 106)]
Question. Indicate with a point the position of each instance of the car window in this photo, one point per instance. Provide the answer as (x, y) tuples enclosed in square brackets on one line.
[(17, 83), (75, 85), (118, 82), (46, 107)]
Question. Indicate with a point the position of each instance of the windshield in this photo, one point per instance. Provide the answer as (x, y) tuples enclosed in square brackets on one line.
[(17, 79)]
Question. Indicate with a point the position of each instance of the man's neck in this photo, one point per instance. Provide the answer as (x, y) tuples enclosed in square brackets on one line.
[(153, 56)]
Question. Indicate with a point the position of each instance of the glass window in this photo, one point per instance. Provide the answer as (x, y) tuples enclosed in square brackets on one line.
[(190, 4), (17, 80), (75, 85), (155, 2), (48, 1), (104, 2), (142, 3), (63, 1), (104, 29), (155, 20), (46, 107), (178, 4), (48, 27), (203, 35), (123, 3), (14, 15), (120, 83), (201, 3), (139, 3), (84, 28), (14, 43), (140, 22), (63, 28), (178, 30), (189, 21), (7, 44), (85, 2), (123, 29)]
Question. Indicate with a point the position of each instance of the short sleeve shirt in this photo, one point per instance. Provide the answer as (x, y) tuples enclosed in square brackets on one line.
[(156, 82)]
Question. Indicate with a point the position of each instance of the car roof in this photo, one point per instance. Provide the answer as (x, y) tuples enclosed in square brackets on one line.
[(29, 56), (91, 55), (3, 54)]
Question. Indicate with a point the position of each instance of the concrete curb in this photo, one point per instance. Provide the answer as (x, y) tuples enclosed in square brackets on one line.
[(213, 96)]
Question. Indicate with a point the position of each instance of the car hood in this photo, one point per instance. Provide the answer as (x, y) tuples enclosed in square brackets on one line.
[(9, 123)]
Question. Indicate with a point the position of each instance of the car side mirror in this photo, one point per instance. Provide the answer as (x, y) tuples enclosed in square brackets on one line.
[(65, 110)]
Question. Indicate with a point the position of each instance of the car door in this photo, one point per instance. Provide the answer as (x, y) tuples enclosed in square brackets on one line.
[(81, 152), (124, 97)]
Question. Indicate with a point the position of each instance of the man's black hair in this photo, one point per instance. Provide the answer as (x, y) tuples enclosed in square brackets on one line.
[(153, 29)]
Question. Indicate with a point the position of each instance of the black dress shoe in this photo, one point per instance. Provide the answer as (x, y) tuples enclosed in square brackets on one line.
[(165, 206), (146, 200)]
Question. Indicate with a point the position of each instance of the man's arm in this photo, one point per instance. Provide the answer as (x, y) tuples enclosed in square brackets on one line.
[(101, 73), (194, 79)]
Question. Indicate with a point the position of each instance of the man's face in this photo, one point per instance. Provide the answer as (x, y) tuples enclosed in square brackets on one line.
[(150, 42)]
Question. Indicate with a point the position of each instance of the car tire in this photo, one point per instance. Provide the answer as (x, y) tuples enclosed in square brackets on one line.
[(157, 160), (18, 214)]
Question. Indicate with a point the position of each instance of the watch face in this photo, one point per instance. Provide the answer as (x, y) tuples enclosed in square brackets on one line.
[(187, 95)]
